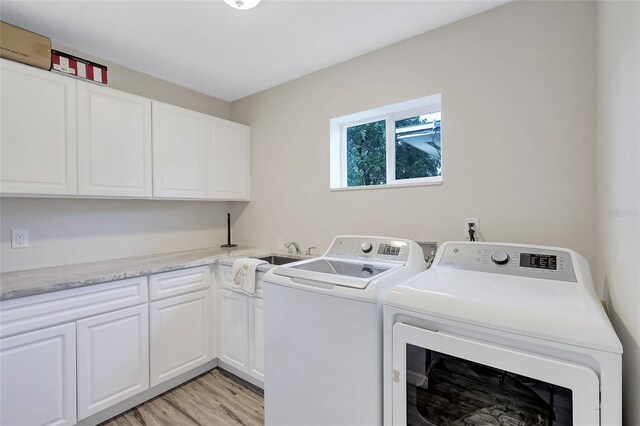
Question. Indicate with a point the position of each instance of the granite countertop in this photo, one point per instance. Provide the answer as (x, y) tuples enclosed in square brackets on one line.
[(43, 280)]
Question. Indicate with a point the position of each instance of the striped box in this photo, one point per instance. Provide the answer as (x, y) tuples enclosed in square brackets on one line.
[(67, 64)]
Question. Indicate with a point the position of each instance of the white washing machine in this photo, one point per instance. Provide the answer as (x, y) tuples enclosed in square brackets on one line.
[(500, 334), (323, 331)]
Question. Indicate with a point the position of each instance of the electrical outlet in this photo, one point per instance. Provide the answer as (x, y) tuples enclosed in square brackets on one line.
[(280, 243), (19, 238), (476, 227)]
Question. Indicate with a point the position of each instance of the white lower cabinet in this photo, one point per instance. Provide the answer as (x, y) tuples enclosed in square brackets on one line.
[(234, 329), (180, 334), (38, 377), (242, 332), (113, 345), (256, 338), (113, 358)]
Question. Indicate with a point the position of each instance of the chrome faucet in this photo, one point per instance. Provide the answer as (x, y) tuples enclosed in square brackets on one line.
[(308, 252), (293, 244)]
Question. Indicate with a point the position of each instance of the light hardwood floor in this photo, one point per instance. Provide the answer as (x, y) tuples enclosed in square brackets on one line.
[(214, 398)]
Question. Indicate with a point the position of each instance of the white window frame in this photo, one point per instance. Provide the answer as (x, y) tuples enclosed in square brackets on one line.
[(391, 114)]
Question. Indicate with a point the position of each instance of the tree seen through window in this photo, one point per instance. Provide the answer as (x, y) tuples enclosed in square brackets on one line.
[(366, 154), (417, 150)]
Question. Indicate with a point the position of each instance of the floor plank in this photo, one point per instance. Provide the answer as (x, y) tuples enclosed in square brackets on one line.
[(214, 398)]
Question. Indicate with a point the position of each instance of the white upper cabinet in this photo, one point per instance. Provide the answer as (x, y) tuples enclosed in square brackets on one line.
[(38, 131), (127, 146), (114, 143), (179, 152), (228, 161)]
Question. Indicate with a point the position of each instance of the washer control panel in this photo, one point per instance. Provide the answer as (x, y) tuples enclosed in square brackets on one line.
[(370, 248), (509, 260)]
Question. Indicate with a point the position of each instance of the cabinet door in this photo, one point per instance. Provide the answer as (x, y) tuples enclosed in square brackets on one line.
[(113, 358), (228, 161), (234, 329), (114, 143), (38, 131), (38, 377), (256, 339), (180, 335), (179, 152)]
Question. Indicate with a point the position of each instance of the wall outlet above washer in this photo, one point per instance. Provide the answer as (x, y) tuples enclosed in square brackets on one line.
[(476, 227)]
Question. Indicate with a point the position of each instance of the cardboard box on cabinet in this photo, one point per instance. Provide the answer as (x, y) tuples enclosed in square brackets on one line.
[(24, 46)]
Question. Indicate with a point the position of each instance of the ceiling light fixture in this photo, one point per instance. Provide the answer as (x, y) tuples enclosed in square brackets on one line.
[(242, 4)]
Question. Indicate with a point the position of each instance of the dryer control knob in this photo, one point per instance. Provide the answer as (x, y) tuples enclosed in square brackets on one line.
[(500, 258), (366, 247)]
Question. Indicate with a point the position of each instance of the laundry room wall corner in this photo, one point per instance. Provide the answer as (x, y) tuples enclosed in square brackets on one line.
[(618, 154)]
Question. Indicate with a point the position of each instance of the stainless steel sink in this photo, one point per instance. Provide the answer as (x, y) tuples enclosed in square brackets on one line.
[(278, 260)]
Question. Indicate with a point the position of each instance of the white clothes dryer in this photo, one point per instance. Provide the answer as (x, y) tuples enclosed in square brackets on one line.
[(500, 334)]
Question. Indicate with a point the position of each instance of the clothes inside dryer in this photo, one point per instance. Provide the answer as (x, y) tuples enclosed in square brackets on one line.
[(447, 390)]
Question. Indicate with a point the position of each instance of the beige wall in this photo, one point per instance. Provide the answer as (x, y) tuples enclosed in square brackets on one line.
[(518, 108), (619, 184), (71, 231)]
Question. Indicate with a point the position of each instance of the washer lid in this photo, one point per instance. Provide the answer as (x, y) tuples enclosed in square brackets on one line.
[(335, 271)]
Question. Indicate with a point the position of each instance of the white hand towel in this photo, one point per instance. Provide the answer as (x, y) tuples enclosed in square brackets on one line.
[(243, 273)]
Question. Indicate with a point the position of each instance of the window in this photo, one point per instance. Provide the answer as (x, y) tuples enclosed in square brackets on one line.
[(399, 144)]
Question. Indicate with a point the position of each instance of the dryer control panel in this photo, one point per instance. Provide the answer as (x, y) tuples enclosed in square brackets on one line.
[(523, 261)]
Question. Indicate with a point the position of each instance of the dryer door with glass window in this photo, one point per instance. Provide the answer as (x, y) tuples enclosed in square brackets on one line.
[(441, 378)]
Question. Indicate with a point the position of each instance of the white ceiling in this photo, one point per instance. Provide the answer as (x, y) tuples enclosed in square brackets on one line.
[(214, 49)]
